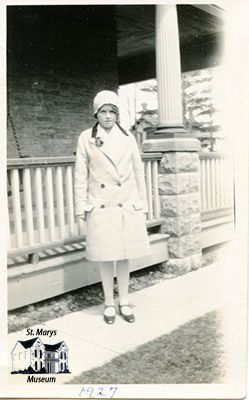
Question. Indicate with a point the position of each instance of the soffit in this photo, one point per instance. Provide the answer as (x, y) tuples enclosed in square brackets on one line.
[(136, 26)]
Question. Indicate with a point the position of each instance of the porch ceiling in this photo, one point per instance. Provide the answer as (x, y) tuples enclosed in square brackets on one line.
[(136, 26)]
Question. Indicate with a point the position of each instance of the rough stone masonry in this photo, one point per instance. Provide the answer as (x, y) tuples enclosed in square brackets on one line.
[(179, 189)]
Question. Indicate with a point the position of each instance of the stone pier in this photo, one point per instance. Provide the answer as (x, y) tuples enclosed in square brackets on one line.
[(179, 189), (179, 179)]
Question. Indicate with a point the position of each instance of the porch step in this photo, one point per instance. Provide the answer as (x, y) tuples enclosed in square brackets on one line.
[(29, 283)]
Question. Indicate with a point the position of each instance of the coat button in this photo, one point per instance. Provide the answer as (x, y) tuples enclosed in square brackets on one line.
[(102, 206), (102, 185), (119, 184), (120, 204)]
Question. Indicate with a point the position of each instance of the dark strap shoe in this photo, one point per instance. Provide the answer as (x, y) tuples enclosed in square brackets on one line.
[(128, 317)]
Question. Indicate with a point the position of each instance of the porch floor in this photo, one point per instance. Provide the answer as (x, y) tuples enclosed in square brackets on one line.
[(159, 309)]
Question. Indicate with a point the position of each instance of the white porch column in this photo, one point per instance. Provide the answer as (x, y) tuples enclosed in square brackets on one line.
[(168, 66), (179, 177)]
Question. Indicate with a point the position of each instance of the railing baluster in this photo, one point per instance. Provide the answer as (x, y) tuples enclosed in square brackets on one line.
[(222, 183), (28, 206), (60, 201), (69, 201), (212, 182), (217, 188), (81, 227), (203, 185), (207, 184), (39, 205), (156, 201), (16, 201), (8, 232), (50, 203), (149, 189)]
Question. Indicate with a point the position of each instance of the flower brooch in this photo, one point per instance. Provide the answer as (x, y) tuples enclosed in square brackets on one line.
[(98, 141)]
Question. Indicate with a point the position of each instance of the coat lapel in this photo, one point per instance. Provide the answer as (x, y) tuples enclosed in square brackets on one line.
[(114, 144)]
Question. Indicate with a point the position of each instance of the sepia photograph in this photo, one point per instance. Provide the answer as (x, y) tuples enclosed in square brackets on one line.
[(125, 202)]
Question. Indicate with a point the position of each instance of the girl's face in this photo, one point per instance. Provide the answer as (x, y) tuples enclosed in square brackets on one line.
[(107, 116)]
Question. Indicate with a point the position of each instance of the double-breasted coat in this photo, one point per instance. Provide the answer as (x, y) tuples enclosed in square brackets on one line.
[(109, 187)]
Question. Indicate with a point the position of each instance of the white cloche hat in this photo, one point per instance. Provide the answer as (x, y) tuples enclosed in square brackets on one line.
[(104, 97)]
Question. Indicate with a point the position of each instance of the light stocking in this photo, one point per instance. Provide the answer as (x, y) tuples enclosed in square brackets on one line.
[(107, 274), (123, 280)]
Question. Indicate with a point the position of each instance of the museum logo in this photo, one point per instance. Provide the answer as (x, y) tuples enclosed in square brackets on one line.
[(35, 357)]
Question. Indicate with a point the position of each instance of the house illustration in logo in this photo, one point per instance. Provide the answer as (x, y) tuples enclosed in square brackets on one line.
[(34, 356)]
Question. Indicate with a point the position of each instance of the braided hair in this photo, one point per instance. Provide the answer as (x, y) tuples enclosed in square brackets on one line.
[(95, 129)]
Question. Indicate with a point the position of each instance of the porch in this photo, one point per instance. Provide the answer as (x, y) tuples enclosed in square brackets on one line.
[(48, 105), (46, 250)]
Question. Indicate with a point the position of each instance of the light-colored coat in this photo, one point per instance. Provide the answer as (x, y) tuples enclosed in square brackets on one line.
[(110, 188)]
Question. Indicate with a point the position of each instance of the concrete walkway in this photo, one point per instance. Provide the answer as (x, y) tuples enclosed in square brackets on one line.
[(159, 309)]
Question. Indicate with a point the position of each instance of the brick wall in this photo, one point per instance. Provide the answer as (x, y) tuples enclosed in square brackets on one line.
[(58, 58)]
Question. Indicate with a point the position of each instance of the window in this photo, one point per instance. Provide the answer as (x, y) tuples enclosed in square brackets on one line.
[(36, 365), (35, 353), (40, 354), (49, 355), (61, 355), (65, 366), (40, 365), (65, 356), (61, 366)]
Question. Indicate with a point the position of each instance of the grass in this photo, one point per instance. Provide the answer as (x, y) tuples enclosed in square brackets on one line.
[(190, 354)]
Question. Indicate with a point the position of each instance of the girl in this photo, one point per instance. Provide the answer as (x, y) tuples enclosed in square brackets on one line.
[(110, 195)]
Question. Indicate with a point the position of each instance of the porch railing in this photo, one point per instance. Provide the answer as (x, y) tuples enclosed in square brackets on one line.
[(216, 184), (41, 203)]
